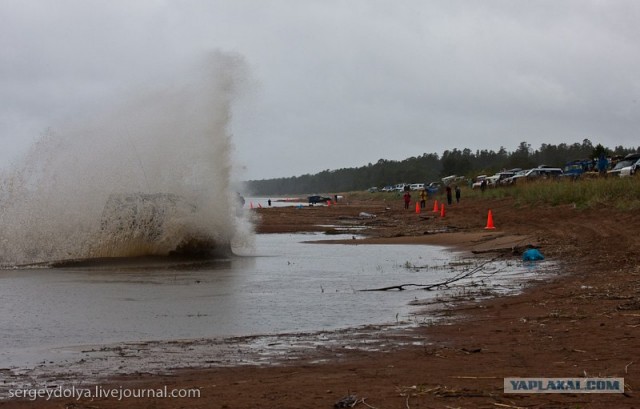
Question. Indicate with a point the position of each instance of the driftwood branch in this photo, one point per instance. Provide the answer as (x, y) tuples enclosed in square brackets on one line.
[(366, 404), (400, 287), (461, 276)]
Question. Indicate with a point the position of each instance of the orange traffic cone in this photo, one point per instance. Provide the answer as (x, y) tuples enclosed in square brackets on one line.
[(417, 207), (435, 206), (442, 212), (490, 221)]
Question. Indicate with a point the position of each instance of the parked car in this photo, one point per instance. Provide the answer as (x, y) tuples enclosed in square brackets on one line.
[(511, 180), (388, 188), (433, 188), (372, 189), (501, 177), (477, 183), (628, 164), (630, 170), (535, 173), (492, 181), (452, 179), (577, 168), (545, 172), (315, 199), (416, 186)]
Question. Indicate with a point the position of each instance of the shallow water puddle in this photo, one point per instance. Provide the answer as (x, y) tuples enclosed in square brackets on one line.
[(54, 317)]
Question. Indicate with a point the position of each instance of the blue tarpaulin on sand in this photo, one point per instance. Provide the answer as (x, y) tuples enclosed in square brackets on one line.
[(532, 255)]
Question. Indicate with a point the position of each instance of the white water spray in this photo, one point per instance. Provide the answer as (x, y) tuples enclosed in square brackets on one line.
[(148, 177)]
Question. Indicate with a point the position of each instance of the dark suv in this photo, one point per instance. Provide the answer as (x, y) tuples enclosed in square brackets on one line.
[(315, 199)]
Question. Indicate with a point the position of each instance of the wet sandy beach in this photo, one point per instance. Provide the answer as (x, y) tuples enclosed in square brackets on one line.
[(572, 324)]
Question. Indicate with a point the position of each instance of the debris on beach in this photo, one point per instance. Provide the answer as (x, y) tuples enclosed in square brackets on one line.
[(532, 255), (348, 401)]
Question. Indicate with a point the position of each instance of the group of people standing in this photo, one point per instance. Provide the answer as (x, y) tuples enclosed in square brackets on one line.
[(457, 190), (424, 196)]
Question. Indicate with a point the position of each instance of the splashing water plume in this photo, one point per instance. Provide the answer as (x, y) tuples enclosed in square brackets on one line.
[(149, 177)]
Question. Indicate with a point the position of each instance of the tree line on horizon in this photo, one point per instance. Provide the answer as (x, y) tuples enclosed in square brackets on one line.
[(430, 167)]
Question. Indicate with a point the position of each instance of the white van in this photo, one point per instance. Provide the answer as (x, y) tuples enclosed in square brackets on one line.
[(416, 186)]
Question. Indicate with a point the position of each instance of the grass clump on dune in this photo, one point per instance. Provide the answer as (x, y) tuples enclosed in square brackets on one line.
[(622, 193), (613, 191)]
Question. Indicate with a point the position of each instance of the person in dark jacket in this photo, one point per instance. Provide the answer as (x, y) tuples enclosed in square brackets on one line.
[(603, 164)]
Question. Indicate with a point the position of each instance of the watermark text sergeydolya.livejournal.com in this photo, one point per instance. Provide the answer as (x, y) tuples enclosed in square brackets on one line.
[(563, 385), (100, 392)]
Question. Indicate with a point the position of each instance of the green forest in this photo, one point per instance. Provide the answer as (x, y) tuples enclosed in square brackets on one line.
[(430, 167)]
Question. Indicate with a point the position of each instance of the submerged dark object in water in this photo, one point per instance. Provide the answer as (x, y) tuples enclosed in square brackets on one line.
[(136, 263), (200, 248)]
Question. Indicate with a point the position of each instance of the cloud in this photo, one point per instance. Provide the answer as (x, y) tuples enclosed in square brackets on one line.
[(339, 83)]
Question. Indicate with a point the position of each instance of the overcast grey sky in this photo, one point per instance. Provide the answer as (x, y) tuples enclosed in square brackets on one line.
[(338, 83)]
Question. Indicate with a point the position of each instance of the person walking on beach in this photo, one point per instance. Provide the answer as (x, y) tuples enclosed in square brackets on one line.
[(457, 194), (449, 194), (407, 199)]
